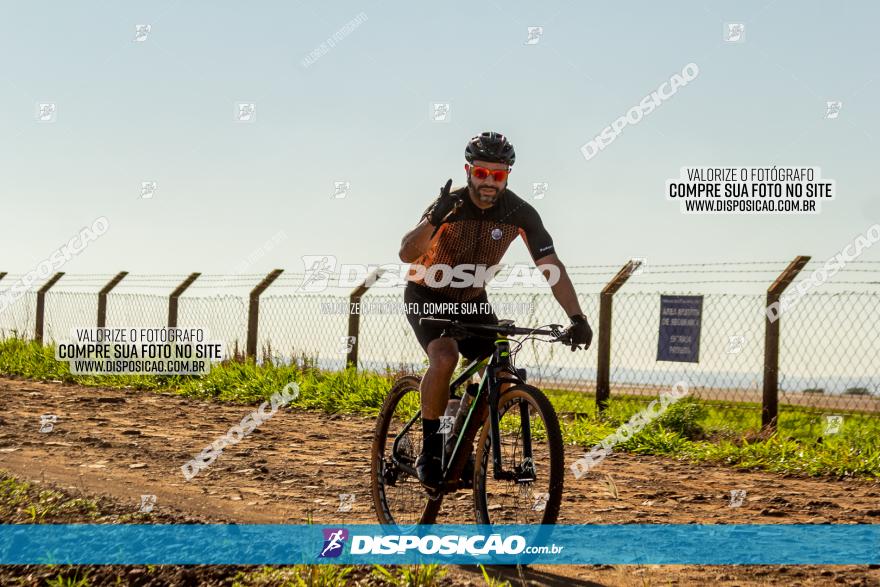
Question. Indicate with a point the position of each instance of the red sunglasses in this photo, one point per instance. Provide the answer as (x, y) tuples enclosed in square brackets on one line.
[(481, 173)]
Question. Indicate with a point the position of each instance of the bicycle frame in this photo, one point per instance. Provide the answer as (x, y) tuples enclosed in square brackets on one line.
[(489, 390)]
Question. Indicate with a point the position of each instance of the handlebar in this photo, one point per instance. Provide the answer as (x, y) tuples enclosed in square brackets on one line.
[(493, 329)]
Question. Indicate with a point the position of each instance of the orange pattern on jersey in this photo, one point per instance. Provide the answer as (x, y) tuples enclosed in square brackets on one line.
[(461, 242)]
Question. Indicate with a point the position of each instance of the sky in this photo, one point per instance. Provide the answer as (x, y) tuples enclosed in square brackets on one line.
[(163, 109)]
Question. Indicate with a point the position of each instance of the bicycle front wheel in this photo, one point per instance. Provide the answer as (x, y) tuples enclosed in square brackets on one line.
[(531, 492)]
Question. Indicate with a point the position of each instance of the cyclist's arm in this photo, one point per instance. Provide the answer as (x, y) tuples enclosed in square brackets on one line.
[(563, 289), (416, 241), (536, 237), (540, 245)]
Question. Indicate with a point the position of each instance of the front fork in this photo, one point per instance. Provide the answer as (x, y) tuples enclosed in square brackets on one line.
[(525, 471)]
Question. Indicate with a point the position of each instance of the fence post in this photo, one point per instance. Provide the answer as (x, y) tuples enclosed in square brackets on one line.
[(41, 306), (254, 311), (102, 297), (172, 299), (770, 401), (603, 369), (354, 317)]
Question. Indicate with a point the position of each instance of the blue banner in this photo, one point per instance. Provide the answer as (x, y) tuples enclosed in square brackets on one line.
[(680, 321), (183, 544)]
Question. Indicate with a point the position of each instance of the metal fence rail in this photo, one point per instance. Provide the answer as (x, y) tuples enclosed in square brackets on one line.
[(829, 341)]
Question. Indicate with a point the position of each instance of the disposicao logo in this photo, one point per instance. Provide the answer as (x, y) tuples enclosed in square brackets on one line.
[(433, 544), (334, 541)]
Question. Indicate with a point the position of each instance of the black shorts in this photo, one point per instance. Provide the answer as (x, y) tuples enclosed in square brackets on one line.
[(416, 296)]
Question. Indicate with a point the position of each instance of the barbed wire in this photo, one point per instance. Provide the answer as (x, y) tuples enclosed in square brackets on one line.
[(576, 272)]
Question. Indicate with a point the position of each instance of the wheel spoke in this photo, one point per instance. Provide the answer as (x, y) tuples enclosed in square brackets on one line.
[(403, 501), (524, 498)]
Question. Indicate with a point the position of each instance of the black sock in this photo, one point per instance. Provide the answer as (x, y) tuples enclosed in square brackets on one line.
[(432, 440)]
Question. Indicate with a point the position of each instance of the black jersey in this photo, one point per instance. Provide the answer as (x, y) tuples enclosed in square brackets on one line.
[(480, 237)]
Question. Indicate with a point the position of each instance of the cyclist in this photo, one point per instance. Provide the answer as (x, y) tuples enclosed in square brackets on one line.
[(473, 224)]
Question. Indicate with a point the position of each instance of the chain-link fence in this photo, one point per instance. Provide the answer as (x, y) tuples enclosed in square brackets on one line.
[(829, 352)]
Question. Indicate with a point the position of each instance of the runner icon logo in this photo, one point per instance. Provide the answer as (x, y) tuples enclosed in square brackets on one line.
[(446, 424), (346, 500), (833, 423), (47, 422), (147, 504), (334, 541), (541, 500), (737, 497)]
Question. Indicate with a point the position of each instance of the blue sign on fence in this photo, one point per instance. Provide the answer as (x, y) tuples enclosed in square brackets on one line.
[(680, 319)]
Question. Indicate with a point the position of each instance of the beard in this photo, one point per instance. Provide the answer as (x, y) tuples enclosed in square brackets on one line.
[(486, 194)]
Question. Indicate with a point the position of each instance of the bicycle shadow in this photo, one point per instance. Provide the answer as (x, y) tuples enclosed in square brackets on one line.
[(529, 575)]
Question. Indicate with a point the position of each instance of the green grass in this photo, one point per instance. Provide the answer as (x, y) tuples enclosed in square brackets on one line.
[(69, 581), (429, 575), (246, 383), (295, 576), (704, 431), (410, 575), (25, 503), (493, 581)]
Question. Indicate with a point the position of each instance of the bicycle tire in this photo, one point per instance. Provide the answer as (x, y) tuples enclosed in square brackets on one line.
[(556, 471), (384, 512)]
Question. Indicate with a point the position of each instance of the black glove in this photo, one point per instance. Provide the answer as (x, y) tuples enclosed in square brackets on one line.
[(443, 206), (579, 333)]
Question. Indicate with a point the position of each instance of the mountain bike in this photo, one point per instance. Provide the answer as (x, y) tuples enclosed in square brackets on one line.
[(519, 429)]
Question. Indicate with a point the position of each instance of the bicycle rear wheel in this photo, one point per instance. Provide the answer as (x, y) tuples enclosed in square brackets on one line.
[(535, 496), (399, 498)]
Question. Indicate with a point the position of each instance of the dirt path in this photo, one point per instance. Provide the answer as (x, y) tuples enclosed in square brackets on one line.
[(126, 444)]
